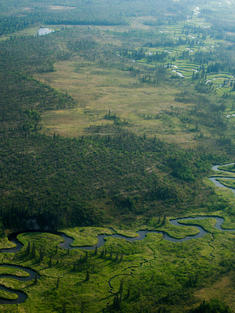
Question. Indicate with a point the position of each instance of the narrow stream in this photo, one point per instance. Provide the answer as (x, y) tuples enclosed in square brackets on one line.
[(68, 241), (21, 296), (214, 179)]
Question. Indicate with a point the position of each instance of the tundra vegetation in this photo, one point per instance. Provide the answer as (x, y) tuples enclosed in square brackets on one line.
[(111, 124)]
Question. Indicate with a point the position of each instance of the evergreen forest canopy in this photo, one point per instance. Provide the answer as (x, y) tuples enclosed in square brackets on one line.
[(116, 118)]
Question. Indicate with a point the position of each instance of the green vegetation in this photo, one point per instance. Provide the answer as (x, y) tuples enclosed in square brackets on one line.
[(228, 168), (111, 124), (177, 232), (86, 236), (211, 307), (228, 182), (133, 272)]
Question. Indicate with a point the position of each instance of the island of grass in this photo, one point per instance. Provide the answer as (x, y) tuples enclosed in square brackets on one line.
[(227, 182)]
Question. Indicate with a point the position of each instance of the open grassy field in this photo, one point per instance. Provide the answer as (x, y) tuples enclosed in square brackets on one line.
[(98, 91), (143, 108)]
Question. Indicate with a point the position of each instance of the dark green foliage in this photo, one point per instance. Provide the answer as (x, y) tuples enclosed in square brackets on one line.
[(33, 251), (28, 248), (87, 13), (188, 165), (57, 283), (153, 291), (87, 276), (23, 98), (213, 306), (57, 182), (12, 24)]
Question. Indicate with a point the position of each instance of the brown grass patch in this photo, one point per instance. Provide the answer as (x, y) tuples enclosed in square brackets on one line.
[(98, 90), (222, 289)]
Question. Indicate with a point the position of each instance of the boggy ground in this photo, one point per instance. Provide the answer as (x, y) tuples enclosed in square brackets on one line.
[(137, 271)]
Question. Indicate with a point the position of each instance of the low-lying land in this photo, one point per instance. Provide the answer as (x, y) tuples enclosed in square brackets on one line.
[(110, 124)]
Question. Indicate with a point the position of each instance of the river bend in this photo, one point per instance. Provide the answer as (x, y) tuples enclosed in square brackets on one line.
[(68, 242)]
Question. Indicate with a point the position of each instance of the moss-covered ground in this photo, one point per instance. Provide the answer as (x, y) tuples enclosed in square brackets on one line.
[(76, 280)]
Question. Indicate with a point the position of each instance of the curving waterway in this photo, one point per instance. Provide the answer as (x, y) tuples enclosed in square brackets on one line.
[(68, 242), (214, 179), (21, 296)]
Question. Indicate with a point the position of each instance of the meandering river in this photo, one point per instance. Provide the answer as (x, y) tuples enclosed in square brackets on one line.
[(214, 179), (68, 243)]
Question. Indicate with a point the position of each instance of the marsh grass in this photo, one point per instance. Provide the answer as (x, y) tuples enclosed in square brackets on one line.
[(98, 91), (63, 279)]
